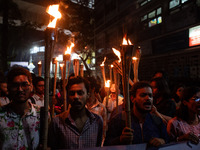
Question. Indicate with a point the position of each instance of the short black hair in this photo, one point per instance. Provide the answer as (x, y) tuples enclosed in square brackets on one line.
[(78, 80), (36, 80), (16, 71), (138, 85)]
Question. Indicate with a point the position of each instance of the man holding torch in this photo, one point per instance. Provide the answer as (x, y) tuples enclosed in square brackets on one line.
[(145, 128)]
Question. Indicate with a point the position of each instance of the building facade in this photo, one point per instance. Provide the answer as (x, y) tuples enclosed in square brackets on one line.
[(163, 30)]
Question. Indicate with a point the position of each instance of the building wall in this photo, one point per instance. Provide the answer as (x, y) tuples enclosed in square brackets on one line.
[(164, 45)]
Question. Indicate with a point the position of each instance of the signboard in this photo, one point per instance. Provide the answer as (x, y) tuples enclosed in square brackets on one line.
[(194, 36)]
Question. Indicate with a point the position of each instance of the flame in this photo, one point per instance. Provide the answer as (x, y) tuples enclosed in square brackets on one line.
[(107, 83), (125, 42), (111, 66), (53, 11), (102, 64), (61, 65), (117, 53), (40, 62), (134, 58), (69, 48)]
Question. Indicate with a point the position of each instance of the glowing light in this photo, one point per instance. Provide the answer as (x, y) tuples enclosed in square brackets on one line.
[(117, 53), (53, 11), (102, 64)]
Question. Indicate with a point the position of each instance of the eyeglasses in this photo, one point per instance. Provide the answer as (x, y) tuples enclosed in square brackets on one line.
[(23, 85)]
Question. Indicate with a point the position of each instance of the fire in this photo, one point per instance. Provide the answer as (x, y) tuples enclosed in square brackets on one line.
[(102, 64), (69, 48), (117, 53), (134, 58), (39, 63), (107, 83), (53, 11), (111, 66), (125, 42), (61, 65)]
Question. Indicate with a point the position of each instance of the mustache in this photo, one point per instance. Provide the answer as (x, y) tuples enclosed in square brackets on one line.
[(147, 103)]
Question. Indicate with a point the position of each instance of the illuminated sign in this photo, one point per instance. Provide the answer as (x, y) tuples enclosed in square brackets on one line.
[(194, 36)]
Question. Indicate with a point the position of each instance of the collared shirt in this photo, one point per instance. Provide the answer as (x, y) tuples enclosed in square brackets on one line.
[(4, 101), (99, 109), (177, 127), (19, 132), (111, 104), (38, 101), (64, 134)]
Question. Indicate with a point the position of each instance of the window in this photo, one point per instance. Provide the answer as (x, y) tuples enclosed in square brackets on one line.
[(152, 18), (144, 2), (173, 3), (176, 3)]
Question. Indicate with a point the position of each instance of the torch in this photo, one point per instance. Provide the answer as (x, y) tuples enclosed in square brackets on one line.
[(103, 70), (49, 47), (66, 57), (135, 61), (61, 70), (76, 67), (40, 68), (81, 70), (118, 65), (54, 61), (111, 75), (126, 56), (107, 89), (116, 81)]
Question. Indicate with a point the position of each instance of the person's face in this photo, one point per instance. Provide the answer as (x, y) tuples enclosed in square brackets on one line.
[(154, 87), (40, 87), (144, 99), (77, 95), (4, 89), (194, 103), (179, 92), (20, 89)]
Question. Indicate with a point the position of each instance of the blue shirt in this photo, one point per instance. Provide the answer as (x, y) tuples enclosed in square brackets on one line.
[(150, 129)]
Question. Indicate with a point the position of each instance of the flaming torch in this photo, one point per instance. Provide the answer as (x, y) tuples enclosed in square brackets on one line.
[(116, 81), (81, 70), (126, 56), (54, 61), (61, 70), (66, 57), (118, 65), (111, 74), (135, 62), (107, 89), (103, 70), (76, 67), (40, 68), (49, 47)]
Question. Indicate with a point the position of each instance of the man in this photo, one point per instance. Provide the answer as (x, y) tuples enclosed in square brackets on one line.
[(4, 100), (19, 120), (145, 128), (38, 96), (110, 103), (95, 106), (78, 128)]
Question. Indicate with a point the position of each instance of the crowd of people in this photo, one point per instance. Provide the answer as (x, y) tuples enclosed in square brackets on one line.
[(93, 117)]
